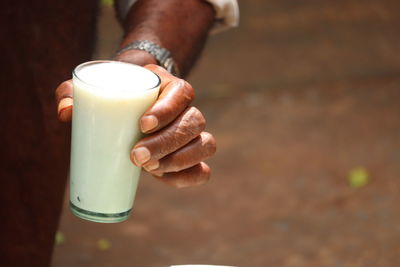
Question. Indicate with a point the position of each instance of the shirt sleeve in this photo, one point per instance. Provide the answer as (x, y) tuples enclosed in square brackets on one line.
[(226, 12)]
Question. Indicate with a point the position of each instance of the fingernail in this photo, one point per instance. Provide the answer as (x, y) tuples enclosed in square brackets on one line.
[(151, 166), (65, 109), (141, 155), (64, 104), (148, 123)]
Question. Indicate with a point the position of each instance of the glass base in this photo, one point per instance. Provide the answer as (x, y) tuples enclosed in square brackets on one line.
[(99, 217)]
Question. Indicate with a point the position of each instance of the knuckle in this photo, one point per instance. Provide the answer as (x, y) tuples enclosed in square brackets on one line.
[(67, 83), (66, 87), (155, 68), (166, 143), (208, 142), (207, 172), (160, 144), (206, 169), (188, 127), (205, 175), (178, 82), (64, 90), (173, 168), (197, 175), (188, 91), (164, 108), (196, 119), (201, 175)]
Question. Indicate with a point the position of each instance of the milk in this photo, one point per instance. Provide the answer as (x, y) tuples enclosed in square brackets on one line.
[(109, 99)]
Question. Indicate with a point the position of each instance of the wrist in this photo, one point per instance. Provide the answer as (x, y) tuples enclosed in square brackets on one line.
[(181, 27), (138, 57), (160, 54)]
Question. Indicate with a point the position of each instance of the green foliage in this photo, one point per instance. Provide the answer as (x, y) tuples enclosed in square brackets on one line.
[(358, 177), (103, 244), (107, 2), (59, 238)]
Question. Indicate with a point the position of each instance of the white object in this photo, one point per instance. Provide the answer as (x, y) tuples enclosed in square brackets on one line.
[(200, 265), (226, 12), (109, 99)]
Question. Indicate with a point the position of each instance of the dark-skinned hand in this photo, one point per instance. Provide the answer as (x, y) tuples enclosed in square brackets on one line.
[(175, 144)]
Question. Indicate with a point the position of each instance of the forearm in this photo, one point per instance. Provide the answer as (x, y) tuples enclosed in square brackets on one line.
[(180, 26)]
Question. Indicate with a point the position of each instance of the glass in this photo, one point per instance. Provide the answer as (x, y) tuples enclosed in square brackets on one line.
[(109, 99)]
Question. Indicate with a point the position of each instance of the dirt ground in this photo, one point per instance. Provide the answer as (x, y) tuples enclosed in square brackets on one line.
[(299, 95)]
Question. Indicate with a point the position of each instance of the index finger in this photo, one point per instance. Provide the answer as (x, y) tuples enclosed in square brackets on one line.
[(64, 100), (176, 95), (64, 90), (165, 76)]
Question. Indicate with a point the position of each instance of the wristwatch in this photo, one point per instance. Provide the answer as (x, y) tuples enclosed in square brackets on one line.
[(162, 55)]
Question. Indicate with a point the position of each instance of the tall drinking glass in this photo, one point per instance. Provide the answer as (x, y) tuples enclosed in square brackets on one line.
[(109, 99)]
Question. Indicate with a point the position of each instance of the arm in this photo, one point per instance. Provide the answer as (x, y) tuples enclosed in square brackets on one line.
[(181, 27)]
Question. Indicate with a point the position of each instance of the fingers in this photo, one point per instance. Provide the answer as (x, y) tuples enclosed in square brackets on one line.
[(64, 101), (163, 73), (199, 149), (176, 95), (196, 175), (177, 146), (64, 109), (185, 128)]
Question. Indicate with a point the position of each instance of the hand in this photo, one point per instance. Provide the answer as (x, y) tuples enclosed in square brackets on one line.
[(176, 143)]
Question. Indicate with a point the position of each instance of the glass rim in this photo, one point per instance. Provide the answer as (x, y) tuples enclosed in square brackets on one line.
[(93, 62)]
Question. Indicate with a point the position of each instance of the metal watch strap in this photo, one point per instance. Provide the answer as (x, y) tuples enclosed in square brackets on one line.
[(162, 55)]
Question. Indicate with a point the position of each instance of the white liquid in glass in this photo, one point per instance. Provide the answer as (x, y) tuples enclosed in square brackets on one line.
[(109, 99)]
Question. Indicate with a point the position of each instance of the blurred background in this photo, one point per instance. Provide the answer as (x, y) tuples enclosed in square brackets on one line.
[(304, 101)]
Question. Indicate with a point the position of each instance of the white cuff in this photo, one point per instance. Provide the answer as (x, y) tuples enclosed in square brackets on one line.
[(226, 12)]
